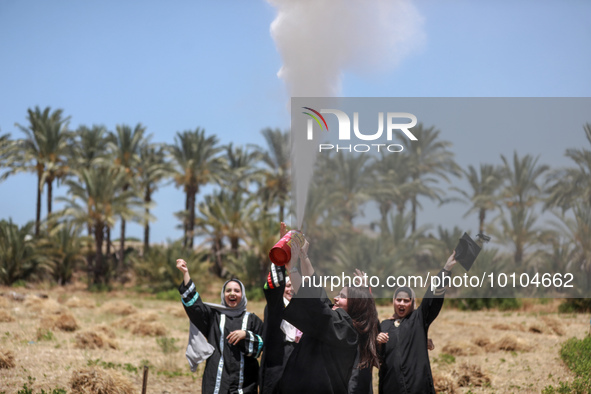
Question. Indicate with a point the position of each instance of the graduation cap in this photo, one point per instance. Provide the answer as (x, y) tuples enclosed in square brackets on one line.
[(467, 250)]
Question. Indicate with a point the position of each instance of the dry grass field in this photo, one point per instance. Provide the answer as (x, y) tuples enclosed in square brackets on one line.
[(76, 340)]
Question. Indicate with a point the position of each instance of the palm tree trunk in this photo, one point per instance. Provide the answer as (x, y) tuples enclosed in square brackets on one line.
[(414, 214), (121, 246), (191, 217), (99, 263), (186, 221), (234, 244), (108, 230), (39, 191), (147, 200), (49, 196), (481, 217)]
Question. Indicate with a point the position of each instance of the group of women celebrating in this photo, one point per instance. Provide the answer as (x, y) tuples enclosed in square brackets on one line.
[(308, 344)]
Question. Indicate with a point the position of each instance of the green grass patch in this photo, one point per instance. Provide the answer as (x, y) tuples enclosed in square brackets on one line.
[(576, 354)]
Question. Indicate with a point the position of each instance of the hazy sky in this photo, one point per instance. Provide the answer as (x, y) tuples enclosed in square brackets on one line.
[(175, 66)]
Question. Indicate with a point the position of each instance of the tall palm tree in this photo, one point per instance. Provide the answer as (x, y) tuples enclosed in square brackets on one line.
[(567, 187), (429, 160), (520, 195), (90, 146), (46, 144), (242, 169), (152, 169), (392, 186), (125, 145), (197, 163), (522, 188), (276, 158), (484, 184), (97, 199), (348, 179)]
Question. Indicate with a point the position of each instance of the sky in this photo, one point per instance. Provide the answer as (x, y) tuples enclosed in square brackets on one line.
[(176, 66)]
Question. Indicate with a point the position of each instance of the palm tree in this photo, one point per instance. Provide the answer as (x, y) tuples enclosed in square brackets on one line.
[(46, 144), (483, 196), (567, 187), (153, 168), (9, 156), (520, 195), (197, 163), (522, 189), (348, 180), (97, 199), (125, 146), (64, 248), (392, 185), (20, 256), (90, 146), (241, 169), (277, 161), (429, 159)]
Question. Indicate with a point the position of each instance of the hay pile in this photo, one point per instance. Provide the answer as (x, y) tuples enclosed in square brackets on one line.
[(5, 316), (105, 330), (120, 308), (444, 383), (91, 380), (145, 324), (538, 328), (508, 327), (64, 321), (461, 349), (554, 324), (508, 343), (4, 302), (481, 341), (6, 359), (94, 340), (471, 374), (46, 306), (177, 311), (76, 302)]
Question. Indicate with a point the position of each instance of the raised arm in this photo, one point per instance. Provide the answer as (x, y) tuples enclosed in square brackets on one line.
[(433, 299), (198, 312)]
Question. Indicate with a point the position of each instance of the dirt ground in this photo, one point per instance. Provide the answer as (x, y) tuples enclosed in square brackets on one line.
[(47, 342)]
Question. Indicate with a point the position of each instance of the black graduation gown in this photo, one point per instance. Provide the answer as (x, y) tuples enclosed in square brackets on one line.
[(322, 361), (361, 379), (238, 370), (277, 350), (405, 364)]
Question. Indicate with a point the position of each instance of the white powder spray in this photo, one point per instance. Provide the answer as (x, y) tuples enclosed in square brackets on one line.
[(320, 39)]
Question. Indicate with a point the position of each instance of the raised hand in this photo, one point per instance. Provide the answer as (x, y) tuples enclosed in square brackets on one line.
[(182, 265)]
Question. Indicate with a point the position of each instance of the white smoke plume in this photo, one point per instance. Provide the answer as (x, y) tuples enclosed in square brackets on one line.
[(320, 39)]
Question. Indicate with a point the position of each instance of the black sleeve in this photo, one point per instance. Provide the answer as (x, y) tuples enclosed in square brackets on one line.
[(433, 299), (198, 312), (310, 311), (252, 345)]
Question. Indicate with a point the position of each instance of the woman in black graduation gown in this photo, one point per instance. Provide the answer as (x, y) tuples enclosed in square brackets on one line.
[(234, 333), (280, 337), (403, 341), (323, 359)]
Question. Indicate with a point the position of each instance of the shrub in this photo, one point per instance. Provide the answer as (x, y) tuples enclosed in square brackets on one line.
[(575, 305)]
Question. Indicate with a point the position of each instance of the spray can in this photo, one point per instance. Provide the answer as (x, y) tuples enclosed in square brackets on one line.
[(280, 254)]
